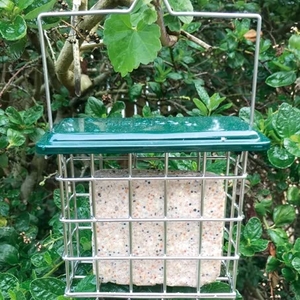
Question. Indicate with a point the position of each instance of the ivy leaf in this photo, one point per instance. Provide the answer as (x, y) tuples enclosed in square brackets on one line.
[(15, 138), (282, 78), (280, 157), (13, 30), (47, 288), (185, 5), (283, 215), (129, 46)]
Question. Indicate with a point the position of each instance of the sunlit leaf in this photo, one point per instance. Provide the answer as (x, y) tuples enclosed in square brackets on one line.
[(129, 46)]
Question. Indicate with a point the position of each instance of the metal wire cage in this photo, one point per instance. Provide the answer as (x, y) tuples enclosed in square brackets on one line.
[(151, 209)]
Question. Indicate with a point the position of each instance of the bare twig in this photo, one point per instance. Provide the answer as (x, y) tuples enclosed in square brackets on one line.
[(16, 74), (195, 39)]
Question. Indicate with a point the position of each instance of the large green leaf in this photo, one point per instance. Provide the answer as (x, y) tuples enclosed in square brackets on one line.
[(284, 215), (15, 138), (14, 116), (46, 288), (253, 229), (15, 49), (37, 7), (286, 121), (7, 282), (282, 78), (13, 30), (95, 108), (185, 5), (293, 195), (32, 114), (129, 46), (278, 236), (280, 157)]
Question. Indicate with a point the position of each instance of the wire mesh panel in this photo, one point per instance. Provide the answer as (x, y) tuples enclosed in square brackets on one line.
[(161, 226)]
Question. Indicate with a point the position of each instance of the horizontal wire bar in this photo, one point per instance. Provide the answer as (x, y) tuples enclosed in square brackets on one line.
[(152, 220), (130, 257)]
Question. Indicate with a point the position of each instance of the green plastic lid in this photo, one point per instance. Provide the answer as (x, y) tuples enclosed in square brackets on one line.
[(125, 135)]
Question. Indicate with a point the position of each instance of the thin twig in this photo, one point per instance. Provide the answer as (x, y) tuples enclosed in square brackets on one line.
[(15, 75), (195, 39)]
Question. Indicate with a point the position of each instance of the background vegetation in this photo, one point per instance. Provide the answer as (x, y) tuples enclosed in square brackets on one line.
[(181, 66)]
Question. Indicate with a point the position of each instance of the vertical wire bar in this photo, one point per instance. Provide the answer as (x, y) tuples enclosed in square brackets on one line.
[(201, 204), (94, 224), (75, 205), (130, 221), (65, 226), (231, 225), (243, 158), (165, 219)]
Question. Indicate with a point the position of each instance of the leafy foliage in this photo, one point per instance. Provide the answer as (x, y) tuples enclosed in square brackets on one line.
[(186, 79)]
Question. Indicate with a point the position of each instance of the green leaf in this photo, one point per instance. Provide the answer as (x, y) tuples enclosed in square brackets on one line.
[(15, 49), (135, 91), (41, 260), (129, 46), (13, 30), (23, 222), (46, 288), (4, 208), (9, 255), (37, 7), (146, 13), (146, 112), (22, 4), (293, 195), (15, 138), (7, 5), (288, 274), (273, 264), (14, 116), (292, 144), (282, 78), (7, 282), (16, 295), (201, 106), (216, 287), (117, 109), (32, 114), (279, 157), (202, 93), (253, 229), (95, 108), (87, 284), (287, 121), (259, 245), (215, 101), (278, 236), (179, 6), (284, 215), (296, 264), (8, 235), (297, 245)]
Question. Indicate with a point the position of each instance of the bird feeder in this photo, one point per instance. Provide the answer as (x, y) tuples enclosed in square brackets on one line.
[(163, 197)]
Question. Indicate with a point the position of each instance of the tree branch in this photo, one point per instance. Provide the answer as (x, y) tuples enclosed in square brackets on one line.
[(65, 59)]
